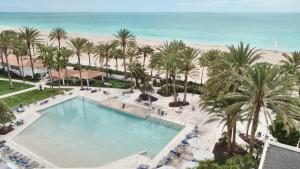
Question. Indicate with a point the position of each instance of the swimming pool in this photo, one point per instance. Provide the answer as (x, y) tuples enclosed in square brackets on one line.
[(81, 133)]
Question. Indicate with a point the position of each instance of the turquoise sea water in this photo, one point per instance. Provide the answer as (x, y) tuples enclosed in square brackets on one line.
[(259, 29), (81, 133)]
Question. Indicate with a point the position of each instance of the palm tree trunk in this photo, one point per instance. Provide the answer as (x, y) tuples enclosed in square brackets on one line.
[(229, 136), (117, 66), (2, 60), (131, 81), (22, 67), (81, 82), (50, 77), (151, 73), (254, 127), (124, 61), (144, 60), (67, 76), (89, 55), (58, 78), (185, 85), (30, 56), (167, 82), (234, 134), (202, 73), (137, 82), (174, 88), (8, 69), (106, 66), (18, 61)]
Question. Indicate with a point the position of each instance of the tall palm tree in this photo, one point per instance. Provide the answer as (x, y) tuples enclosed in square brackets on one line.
[(223, 73), (58, 34), (116, 54), (132, 53), (292, 66), (78, 45), (207, 58), (7, 39), (47, 54), (188, 57), (136, 71), (66, 54), (146, 50), (20, 50), (170, 59), (31, 36), (89, 49), (123, 38), (99, 54), (266, 87), (107, 47)]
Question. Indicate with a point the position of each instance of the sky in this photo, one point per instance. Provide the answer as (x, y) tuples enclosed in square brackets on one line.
[(150, 5)]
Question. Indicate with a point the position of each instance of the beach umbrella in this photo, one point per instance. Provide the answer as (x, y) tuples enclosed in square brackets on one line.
[(203, 155), (167, 167)]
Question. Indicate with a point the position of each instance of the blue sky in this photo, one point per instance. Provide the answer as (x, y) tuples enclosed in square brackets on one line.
[(151, 5)]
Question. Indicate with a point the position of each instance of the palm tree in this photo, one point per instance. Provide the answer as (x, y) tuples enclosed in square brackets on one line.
[(146, 50), (47, 54), (123, 38), (31, 36), (136, 71), (66, 54), (89, 48), (223, 75), (107, 47), (155, 63), (132, 53), (116, 54), (99, 54), (20, 50), (188, 56), (207, 58), (292, 66), (171, 61), (58, 34), (266, 87), (7, 39), (78, 45)]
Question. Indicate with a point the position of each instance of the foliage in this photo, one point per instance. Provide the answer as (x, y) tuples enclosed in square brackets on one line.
[(236, 162), (279, 130), (6, 115)]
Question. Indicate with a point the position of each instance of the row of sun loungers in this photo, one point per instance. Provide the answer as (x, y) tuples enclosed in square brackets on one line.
[(179, 150), (10, 156)]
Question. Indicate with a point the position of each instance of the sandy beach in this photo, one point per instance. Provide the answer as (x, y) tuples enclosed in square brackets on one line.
[(269, 56)]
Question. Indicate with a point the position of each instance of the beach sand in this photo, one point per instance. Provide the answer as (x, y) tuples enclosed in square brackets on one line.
[(269, 56)]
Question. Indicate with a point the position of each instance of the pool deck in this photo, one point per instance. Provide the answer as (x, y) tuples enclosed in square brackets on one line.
[(187, 118)]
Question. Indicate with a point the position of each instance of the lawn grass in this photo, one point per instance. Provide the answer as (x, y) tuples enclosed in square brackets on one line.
[(5, 87), (30, 97)]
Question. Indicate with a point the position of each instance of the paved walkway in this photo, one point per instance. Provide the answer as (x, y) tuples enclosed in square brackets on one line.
[(20, 91)]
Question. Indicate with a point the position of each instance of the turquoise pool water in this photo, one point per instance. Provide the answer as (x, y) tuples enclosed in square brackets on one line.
[(81, 133)]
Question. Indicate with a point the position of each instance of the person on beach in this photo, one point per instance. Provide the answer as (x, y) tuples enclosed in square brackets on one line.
[(123, 105)]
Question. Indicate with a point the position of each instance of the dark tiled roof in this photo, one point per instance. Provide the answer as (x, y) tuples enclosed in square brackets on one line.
[(281, 158)]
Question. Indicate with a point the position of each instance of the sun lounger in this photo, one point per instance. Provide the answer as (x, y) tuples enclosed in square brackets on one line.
[(19, 122), (2, 141), (94, 91), (143, 166), (31, 165)]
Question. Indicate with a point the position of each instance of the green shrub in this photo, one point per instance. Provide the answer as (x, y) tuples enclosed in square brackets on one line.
[(278, 130)]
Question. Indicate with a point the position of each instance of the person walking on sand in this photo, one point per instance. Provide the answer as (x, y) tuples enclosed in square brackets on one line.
[(123, 105)]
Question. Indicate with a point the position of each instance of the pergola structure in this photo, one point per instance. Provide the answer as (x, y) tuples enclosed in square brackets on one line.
[(88, 74), (85, 75)]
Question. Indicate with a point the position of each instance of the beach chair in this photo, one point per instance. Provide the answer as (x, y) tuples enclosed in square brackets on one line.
[(19, 122), (143, 166)]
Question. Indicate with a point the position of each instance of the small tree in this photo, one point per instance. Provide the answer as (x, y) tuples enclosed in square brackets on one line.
[(6, 115), (283, 133)]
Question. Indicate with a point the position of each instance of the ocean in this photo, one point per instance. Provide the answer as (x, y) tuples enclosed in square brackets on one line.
[(272, 31)]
